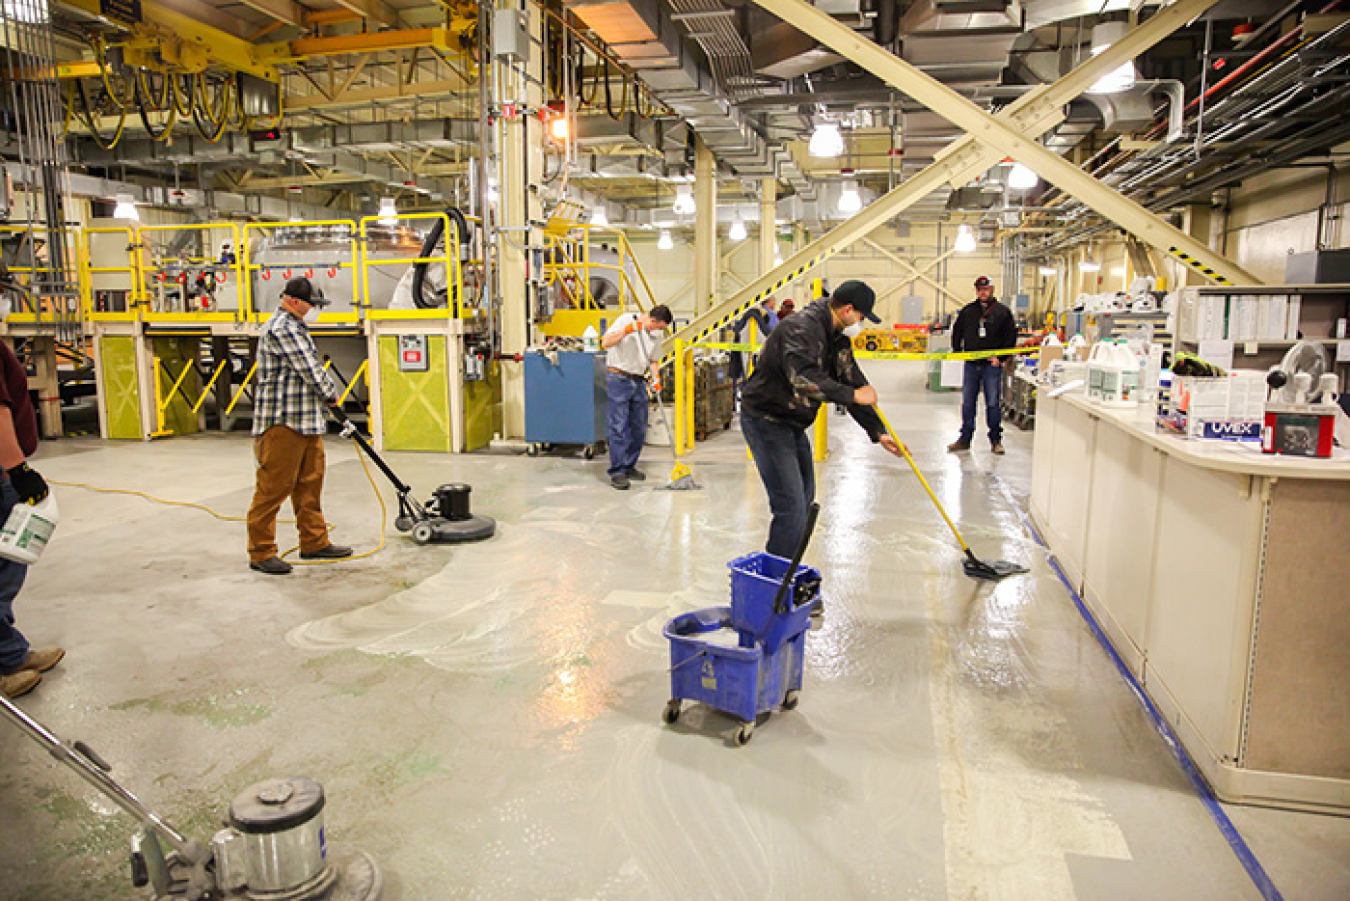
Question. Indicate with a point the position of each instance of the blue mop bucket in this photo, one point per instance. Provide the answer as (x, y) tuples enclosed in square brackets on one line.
[(755, 580)]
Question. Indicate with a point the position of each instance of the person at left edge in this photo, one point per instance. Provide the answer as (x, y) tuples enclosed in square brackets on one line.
[(289, 422), (632, 348)]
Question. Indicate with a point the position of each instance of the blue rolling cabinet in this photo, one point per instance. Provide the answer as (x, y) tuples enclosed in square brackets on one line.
[(566, 402)]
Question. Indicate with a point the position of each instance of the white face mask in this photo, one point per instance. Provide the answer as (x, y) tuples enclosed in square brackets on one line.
[(853, 330)]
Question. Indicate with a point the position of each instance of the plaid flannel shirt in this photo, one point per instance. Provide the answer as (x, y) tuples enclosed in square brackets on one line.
[(292, 388)]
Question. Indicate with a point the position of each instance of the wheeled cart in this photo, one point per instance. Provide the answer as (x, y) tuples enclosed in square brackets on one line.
[(745, 659), (565, 402)]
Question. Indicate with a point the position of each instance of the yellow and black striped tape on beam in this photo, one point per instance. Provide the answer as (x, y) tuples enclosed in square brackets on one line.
[(889, 355), (1197, 265)]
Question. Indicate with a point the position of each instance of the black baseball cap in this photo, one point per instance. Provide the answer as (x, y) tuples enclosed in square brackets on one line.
[(983, 282), (859, 296), (301, 289)]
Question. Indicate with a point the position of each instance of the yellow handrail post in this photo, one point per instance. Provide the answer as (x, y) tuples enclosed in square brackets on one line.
[(822, 429), (160, 429), (677, 439), (690, 400)]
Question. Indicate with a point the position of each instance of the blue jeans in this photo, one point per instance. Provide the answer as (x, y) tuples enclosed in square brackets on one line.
[(783, 457), (13, 646), (982, 374), (627, 421)]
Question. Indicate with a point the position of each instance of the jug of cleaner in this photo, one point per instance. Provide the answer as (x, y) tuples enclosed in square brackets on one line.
[(1100, 365), (1126, 392), (29, 527), (590, 339)]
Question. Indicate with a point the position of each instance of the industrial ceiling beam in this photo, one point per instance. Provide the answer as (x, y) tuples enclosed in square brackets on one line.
[(425, 90), (286, 11), (914, 271), (966, 158), (371, 10), (1003, 137)]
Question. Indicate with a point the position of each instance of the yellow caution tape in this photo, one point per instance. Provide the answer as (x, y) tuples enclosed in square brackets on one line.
[(893, 355)]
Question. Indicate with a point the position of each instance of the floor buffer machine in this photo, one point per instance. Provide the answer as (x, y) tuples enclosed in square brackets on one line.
[(274, 848), (444, 519)]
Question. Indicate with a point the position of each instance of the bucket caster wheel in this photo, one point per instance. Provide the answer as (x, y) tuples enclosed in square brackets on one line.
[(532, 450), (792, 699), (744, 734), (588, 452), (672, 711), (422, 532)]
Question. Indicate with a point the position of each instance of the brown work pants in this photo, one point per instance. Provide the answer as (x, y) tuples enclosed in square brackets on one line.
[(289, 465)]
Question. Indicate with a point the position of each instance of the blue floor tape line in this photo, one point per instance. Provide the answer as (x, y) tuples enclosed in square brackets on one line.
[(1193, 775)]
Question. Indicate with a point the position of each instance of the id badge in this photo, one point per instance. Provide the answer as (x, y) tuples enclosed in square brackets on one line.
[(982, 330)]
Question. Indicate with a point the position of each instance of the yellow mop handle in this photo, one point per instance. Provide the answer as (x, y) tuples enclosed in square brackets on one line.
[(926, 487)]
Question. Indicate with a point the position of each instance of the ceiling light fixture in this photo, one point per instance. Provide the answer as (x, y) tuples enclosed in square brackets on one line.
[(600, 217), (1090, 265), (965, 240), (850, 200), (664, 242), (737, 232), (684, 200), (1104, 34), (388, 211), (1049, 270), (826, 140), (558, 128), (126, 208), (1021, 178)]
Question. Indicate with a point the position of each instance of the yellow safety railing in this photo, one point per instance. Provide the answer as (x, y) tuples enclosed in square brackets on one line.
[(310, 269), (454, 274), (572, 267), (204, 258), (90, 274)]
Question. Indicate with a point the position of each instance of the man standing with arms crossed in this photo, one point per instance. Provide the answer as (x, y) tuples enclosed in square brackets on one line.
[(631, 349), (289, 422), (983, 324)]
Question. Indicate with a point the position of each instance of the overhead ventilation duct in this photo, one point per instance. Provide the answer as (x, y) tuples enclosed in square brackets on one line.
[(961, 42)]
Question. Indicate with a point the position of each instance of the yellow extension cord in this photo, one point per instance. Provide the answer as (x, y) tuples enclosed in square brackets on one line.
[(384, 513)]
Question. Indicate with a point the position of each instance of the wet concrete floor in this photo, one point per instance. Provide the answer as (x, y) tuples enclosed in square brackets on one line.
[(486, 722)]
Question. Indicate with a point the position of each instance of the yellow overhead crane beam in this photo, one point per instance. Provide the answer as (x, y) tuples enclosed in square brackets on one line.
[(165, 38), (367, 42)]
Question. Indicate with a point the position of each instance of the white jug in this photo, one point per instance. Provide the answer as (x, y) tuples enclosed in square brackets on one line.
[(29, 527)]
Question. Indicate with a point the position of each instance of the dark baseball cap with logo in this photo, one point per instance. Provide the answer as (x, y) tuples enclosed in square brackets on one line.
[(301, 289), (861, 297), (983, 282)]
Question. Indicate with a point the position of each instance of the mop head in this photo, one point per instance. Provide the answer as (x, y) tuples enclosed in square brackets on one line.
[(681, 479), (993, 571)]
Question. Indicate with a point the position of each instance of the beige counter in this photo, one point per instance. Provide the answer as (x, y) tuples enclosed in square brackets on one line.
[(1222, 576)]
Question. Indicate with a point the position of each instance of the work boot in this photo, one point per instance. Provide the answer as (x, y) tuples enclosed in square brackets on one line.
[(332, 552), (619, 481), (958, 446), (21, 683), (43, 659), (273, 566), (637, 475), (997, 448)]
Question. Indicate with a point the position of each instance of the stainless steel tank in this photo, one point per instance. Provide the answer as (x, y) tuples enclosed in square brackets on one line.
[(318, 252)]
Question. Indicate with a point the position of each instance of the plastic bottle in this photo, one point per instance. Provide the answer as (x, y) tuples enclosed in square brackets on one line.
[(590, 339), (1127, 365), (29, 527), (1100, 366)]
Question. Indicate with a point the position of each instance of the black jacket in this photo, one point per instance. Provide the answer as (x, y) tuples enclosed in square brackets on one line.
[(805, 362), (1000, 330)]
